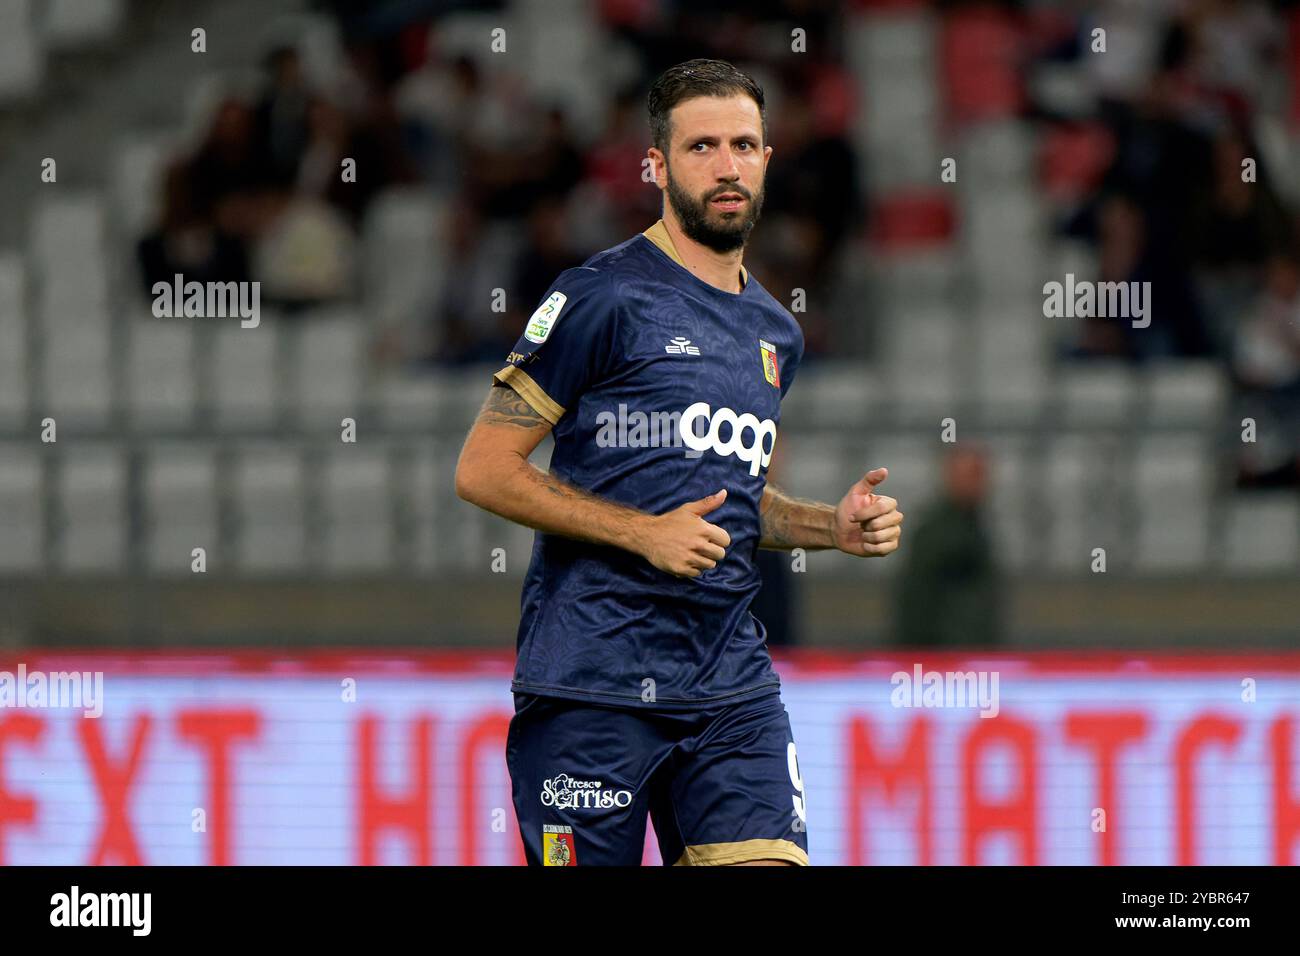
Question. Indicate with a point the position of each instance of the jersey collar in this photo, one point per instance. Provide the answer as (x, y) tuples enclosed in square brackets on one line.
[(659, 235)]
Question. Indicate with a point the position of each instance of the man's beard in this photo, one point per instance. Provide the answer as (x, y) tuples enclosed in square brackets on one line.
[(725, 236)]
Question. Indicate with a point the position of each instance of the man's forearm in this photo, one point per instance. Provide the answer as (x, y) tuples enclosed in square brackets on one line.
[(788, 522), (504, 482), (525, 494)]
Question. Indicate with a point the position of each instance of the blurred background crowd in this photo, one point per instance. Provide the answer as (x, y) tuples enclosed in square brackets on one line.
[(498, 143)]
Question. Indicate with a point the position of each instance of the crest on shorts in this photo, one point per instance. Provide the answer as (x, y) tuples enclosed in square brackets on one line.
[(557, 846)]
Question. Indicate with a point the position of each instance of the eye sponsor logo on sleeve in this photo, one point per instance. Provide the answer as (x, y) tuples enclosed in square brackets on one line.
[(544, 319), (557, 846), (770, 370)]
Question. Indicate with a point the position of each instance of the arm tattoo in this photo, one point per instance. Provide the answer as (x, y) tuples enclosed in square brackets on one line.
[(788, 522), (505, 406)]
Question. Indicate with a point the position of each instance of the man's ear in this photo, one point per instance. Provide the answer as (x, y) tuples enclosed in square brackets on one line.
[(657, 162)]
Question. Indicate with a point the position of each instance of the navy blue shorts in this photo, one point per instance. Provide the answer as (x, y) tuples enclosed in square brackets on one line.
[(722, 785)]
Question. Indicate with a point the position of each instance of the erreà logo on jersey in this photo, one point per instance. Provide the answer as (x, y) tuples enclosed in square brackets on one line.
[(750, 440), (544, 319)]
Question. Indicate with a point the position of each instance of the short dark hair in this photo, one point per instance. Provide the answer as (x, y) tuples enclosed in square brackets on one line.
[(694, 78)]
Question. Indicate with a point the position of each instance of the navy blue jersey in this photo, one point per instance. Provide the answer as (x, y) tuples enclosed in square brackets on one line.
[(662, 389)]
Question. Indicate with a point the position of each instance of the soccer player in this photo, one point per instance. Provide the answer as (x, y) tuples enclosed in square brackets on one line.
[(643, 684)]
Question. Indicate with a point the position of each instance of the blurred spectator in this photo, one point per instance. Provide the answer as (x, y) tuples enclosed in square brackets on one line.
[(282, 117), (949, 594), (546, 253), (481, 258), (814, 173), (376, 142), (1244, 224), (1267, 367), (228, 179), (305, 256), (187, 242)]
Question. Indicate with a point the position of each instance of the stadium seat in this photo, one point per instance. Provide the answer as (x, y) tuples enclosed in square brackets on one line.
[(160, 389), (912, 220), (1011, 376), (22, 57), (13, 342), (1073, 158), (402, 267), (1014, 504), (1003, 234), (838, 393), (77, 366), (426, 499), (180, 502), (138, 171), (1083, 475), (328, 352), (981, 50), (356, 490), (1263, 533), (891, 55), (270, 508), (1097, 393), (922, 355), (1000, 152), (1184, 392), (407, 401), (245, 374), (66, 223), (811, 466), (913, 463), (461, 393), (92, 533), (1172, 499), (22, 515), (72, 24), (924, 276)]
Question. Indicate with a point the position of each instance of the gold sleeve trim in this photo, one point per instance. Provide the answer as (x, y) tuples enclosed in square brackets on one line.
[(530, 392), (746, 851)]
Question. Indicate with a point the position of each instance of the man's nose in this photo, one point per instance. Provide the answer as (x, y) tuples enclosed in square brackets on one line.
[(726, 168)]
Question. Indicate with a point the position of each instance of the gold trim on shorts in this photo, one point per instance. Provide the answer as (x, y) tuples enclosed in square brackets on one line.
[(746, 851)]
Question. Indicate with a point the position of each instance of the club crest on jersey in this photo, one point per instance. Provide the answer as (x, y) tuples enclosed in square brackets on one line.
[(770, 371), (544, 319), (557, 846)]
